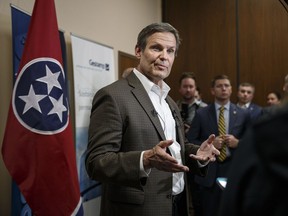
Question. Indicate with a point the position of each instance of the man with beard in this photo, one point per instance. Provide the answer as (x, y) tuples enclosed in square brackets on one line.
[(188, 104)]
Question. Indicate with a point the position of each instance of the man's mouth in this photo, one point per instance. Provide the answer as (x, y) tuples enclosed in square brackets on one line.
[(161, 66)]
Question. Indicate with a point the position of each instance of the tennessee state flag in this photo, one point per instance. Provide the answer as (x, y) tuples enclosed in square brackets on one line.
[(38, 145)]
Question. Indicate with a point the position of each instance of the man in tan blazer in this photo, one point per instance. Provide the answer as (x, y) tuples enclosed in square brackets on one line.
[(137, 147)]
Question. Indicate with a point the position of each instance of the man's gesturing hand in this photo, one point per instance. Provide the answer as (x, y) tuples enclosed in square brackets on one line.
[(207, 152), (158, 158)]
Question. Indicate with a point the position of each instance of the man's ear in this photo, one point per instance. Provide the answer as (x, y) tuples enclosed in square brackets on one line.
[(138, 52), (212, 91)]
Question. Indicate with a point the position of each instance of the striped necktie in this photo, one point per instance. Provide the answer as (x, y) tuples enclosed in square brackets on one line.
[(222, 132)]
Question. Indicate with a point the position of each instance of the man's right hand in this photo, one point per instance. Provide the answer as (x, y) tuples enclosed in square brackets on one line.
[(158, 158), (218, 142)]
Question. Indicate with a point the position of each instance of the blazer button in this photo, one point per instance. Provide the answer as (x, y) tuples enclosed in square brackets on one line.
[(169, 196)]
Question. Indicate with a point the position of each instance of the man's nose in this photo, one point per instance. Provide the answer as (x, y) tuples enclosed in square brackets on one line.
[(164, 54)]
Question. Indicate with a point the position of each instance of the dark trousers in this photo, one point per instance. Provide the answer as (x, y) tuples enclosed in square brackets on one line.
[(179, 204), (210, 200), (195, 195)]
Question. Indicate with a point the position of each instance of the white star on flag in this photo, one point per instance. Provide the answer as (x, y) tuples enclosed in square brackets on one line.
[(32, 100), (58, 107), (51, 79)]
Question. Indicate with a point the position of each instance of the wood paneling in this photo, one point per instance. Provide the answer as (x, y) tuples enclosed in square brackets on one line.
[(125, 61), (263, 46), (244, 39)]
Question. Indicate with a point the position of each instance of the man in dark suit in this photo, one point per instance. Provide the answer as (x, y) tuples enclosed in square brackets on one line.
[(257, 180), (137, 147), (245, 96), (204, 123), (188, 104)]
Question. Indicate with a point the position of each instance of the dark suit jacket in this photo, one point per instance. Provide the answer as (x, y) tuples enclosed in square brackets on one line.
[(259, 186), (204, 124), (123, 124), (255, 111)]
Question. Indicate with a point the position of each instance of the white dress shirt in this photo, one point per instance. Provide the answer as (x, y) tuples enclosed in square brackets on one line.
[(158, 96)]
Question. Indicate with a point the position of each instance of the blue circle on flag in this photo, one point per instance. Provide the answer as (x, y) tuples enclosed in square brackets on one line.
[(40, 99)]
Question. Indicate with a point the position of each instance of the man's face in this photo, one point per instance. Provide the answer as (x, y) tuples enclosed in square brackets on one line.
[(272, 99), (222, 90), (285, 88), (187, 88), (245, 94), (157, 58)]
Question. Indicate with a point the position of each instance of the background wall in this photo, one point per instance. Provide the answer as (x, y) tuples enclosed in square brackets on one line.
[(109, 22), (244, 39)]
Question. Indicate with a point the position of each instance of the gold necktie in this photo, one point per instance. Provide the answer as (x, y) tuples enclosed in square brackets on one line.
[(222, 132)]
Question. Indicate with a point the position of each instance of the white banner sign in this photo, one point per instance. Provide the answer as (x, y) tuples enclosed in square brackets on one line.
[(93, 66)]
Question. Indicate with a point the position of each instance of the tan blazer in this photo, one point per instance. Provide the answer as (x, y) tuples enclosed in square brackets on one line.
[(123, 124)]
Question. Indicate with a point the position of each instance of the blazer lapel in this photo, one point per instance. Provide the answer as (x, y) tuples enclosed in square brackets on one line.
[(178, 124), (232, 117), (212, 115), (141, 95)]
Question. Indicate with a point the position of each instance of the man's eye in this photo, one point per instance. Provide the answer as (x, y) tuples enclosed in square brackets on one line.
[(156, 49)]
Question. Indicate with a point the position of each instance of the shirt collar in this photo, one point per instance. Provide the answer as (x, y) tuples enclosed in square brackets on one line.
[(244, 106), (150, 86), (247, 105), (226, 106)]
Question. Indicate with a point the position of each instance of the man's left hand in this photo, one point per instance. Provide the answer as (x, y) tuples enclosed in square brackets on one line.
[(207, 152)]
